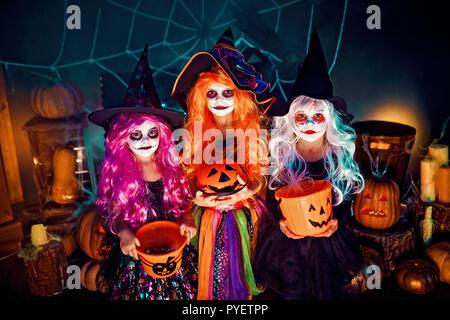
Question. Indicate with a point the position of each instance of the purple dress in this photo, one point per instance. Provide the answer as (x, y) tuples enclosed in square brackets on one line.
[(128, 281)]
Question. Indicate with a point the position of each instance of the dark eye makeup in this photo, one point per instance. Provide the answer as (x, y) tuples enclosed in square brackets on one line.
[(319, 117), (228, 93), (136, 135), (300, 117), (153, 133), (211, 94)]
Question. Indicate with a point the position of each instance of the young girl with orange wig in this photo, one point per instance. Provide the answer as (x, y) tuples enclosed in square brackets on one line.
[(223, 97)]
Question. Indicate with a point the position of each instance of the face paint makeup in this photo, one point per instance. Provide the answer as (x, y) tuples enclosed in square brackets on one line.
[(220, 99), (310, 122), (144, 140)]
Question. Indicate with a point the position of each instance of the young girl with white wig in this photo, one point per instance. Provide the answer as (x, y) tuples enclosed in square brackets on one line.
[(311, 141)]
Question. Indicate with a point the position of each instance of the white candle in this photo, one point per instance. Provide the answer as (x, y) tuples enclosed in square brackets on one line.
[(428, 169), (439, 153), (38, 235)]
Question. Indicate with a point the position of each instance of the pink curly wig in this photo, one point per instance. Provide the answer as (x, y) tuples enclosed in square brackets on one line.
[(122, 192)]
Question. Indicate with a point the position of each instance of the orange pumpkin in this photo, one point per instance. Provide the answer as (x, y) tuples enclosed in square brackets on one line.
[(378, 205), (417, 276), (65, 185), (89, 235), (440, 254), (70, 243), (307, 206), (220, 179), (91, 279), (56, 101)]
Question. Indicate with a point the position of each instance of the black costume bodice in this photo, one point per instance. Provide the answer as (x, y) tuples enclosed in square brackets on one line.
[(155, 199)]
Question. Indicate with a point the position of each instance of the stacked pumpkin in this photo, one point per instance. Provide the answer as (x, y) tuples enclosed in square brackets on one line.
[(90, 234), (92, 279), (378, 205), (377, 208), (56, 101)]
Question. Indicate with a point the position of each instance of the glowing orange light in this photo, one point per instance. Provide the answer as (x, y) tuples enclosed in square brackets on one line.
[(401, 112), (379, 145)]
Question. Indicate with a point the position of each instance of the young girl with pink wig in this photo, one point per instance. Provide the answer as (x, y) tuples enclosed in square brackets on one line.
[(141, 181)]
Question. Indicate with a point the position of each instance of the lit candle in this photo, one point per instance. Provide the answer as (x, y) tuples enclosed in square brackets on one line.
[(439, 153), (38, 235), (444, 184), (428, 169)]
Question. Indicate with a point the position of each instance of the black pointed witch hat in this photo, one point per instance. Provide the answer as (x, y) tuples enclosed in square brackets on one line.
[(313, 79), (225, 55), (141, 97)]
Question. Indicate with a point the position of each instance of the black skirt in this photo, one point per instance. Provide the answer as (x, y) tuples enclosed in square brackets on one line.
[(308, 268)]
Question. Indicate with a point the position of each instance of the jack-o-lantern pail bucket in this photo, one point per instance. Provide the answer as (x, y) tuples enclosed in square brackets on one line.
[(161, 248), (306, 206)]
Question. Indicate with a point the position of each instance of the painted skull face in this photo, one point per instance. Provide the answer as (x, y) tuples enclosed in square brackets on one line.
[(144, 140), (220, 99), (311, 122)]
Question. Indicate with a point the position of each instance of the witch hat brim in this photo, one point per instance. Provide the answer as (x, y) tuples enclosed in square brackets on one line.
[(232, 62), (141, 97), (314, 81), (104, 117)]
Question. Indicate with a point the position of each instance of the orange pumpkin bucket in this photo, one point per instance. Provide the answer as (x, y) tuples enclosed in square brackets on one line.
[(161, 248), (306, 206)]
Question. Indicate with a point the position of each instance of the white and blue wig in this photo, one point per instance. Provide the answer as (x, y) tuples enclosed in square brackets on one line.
[(342, 171)]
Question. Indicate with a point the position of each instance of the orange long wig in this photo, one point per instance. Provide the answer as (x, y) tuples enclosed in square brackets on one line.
[(246, 115)]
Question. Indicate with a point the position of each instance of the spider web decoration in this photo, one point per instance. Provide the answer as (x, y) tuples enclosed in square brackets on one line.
[(274, 35)]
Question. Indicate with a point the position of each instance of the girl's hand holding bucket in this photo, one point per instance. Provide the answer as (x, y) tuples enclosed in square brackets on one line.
[(187, 227), (128, 243)]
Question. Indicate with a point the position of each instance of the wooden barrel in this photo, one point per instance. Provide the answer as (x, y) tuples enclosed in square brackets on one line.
[(390, 142), (394, 241), (46, 268)]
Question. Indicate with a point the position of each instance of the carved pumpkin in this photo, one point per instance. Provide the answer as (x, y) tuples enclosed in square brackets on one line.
[(440, 254), (156, 235), (56, 101), (65, 184), (417, 276), (89, 235), (91, 279), (220, 179), (378, 205), (307, 206)]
